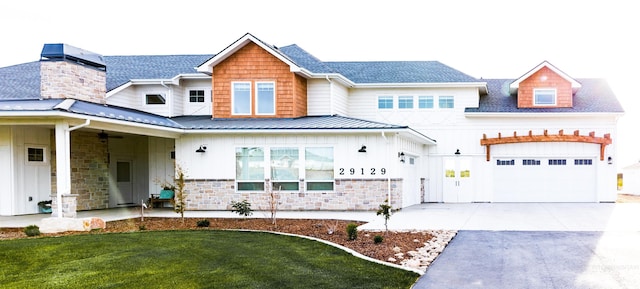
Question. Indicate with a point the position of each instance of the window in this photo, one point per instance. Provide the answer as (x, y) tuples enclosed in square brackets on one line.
[(425, 101), (530, 162), (583, 162), (319, 168), (250, 169), (35, 155), (405, 102), (196, 95), (557, 162), (155, 98), (445, 102), (241, 98), (545, 96), (265, 98), (385, 102), (506, 162), (284, 169)]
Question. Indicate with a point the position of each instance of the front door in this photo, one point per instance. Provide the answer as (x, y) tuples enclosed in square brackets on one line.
[(457, 187), (124, 179)]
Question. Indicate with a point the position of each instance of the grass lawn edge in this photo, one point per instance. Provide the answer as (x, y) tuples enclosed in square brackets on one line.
[(346, 249)]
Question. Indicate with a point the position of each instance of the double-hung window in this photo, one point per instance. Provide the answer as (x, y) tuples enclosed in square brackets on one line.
[(265, 98), (319, 168), (544, 96), (425, 101), (445, 102), (250, 168), (405, 102), (241, 98)]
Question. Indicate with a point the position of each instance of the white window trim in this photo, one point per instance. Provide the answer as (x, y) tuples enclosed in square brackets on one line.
[(555, 96), (233, 103), (453, 98), (45, 154), (257, 103), (433, 102), (413, 102), (393, 102), (163, 94)]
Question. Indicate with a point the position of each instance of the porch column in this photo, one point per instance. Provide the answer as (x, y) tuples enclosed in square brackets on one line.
[(63, 164)]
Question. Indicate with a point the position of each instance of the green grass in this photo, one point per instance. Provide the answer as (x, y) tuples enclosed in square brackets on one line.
[(188, 259)]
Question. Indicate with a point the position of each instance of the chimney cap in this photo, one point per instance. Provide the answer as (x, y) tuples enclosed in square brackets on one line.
[(61, 52)]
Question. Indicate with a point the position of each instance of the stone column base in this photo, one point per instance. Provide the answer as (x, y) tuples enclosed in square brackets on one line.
[(69, 206)]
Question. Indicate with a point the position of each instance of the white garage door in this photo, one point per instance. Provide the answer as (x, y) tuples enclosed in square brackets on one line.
[(544, 180)]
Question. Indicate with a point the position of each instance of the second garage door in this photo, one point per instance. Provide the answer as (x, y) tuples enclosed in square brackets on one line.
[(544, 180)]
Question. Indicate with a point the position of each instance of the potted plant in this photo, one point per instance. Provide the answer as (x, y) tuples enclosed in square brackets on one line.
[(44, 206)]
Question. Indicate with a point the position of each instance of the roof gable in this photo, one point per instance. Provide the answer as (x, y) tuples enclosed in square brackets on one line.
[(207, 66), (513, 87)]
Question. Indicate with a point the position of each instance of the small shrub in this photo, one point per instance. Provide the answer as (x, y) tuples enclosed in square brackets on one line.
[(242, 208), (352, 231), (203, 223), (377, 239), (142, 227), (32, 230), (385, 211)]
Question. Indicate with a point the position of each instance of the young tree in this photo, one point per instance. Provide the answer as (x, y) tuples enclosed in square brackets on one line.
[(385, 211)]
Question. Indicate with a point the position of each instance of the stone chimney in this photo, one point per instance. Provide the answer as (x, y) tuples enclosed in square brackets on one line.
[(70, 72)]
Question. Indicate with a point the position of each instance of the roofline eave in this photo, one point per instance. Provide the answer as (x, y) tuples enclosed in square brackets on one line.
[(541, 114)]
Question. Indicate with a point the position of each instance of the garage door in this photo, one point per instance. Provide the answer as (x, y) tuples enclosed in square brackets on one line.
[(544, 180)]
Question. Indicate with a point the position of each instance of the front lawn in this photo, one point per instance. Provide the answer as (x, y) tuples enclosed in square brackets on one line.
[(188, 259)]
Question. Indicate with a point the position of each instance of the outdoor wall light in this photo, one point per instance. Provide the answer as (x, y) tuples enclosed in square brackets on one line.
[(363, 149), (401, 156), (610, 160), (457, 153), (201, 149)]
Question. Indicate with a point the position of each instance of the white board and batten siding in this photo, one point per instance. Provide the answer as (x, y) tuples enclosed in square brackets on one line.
[(326, 98)]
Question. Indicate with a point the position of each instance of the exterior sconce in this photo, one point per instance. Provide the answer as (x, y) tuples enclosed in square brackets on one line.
[(201, 149), (610, 160), (457, 153), (363, 149), (401, 157)]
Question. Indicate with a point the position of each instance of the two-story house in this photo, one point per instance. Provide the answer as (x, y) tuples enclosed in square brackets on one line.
[(94, 132)]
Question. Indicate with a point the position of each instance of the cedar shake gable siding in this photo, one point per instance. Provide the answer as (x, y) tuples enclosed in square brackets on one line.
[(251, 63), (545, 78)]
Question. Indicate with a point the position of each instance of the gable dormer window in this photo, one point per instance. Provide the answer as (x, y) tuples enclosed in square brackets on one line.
[(544, 96), (265, 98), (155, 98), (241, 98)]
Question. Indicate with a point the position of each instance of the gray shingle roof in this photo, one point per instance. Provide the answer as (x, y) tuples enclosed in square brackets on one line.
[(20, 81), (88, 108), (399, 72), (121, 69), (595, 95), (306, 123)]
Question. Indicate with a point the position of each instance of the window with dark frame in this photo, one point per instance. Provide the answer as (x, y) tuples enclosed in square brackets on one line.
[(155, 98), (35, 155), (196, 96)]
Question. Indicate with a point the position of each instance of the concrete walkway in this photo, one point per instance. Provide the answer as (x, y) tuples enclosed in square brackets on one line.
[(474, 216)]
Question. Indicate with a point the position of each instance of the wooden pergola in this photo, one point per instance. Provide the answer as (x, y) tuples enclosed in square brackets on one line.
[(546, 137)]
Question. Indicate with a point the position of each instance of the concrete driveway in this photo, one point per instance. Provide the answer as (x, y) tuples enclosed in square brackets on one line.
[(538, 245)]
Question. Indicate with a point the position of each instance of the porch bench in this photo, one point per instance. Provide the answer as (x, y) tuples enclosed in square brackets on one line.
[(161, 198)]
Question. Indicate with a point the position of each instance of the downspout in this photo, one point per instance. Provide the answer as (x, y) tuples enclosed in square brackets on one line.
[(330, 93), (387, 165), (67, 136), (169, 96)]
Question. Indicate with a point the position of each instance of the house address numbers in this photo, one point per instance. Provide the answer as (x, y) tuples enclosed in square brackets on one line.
[(362, 171)]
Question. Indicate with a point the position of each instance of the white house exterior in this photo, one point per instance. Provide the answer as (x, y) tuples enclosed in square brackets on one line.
[(255, 118)]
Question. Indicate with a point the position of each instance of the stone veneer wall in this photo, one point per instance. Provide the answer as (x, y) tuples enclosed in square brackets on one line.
[(89, 171), (349, 195), (62, 79)]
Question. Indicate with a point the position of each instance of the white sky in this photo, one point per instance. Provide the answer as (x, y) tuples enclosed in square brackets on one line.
[(490, 38)]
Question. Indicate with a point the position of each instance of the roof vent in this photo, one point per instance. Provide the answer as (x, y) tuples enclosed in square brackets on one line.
[(62, 52)]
